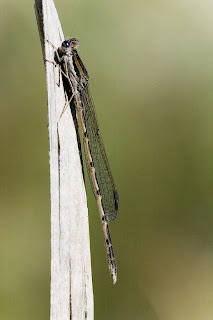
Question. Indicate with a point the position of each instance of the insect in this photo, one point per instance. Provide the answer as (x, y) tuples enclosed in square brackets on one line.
[(76, 83)]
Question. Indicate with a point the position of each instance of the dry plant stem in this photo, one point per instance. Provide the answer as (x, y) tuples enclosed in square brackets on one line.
[(71, 279)]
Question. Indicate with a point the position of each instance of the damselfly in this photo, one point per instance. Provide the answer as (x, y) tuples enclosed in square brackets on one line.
[(75, 74)]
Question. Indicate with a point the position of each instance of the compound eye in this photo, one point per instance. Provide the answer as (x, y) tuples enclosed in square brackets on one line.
[(74, 43), (66, 44)]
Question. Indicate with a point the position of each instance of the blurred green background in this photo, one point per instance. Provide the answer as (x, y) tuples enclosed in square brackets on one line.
[(151, 77)]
